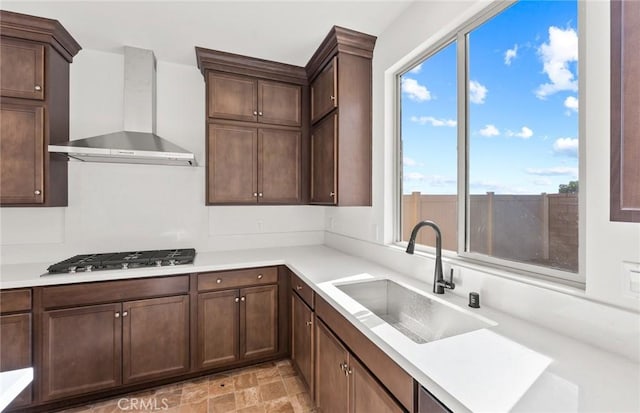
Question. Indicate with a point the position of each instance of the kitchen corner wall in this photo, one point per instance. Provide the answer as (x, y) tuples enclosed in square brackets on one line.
[(607, 245), (117, 207)]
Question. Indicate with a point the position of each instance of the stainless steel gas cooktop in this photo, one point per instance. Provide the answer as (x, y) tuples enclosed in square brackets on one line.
[(123, 260)]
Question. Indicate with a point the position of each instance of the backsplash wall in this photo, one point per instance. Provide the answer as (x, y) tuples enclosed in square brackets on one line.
[(115, 207)]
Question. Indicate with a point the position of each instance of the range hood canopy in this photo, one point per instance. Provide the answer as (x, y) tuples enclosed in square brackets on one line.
[(138, 143)]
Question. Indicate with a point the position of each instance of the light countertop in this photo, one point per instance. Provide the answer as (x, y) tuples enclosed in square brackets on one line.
[(12, 383), (510, 365)]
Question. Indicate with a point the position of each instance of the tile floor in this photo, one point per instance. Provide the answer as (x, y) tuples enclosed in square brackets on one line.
[(265, 388)]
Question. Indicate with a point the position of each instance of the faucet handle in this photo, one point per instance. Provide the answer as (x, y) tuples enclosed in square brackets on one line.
[(449, 284)]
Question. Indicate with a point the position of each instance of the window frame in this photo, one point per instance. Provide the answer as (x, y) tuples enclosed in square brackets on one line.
[(463, 254)]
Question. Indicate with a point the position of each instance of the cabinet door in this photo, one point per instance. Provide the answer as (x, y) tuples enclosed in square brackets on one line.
[(232, 165), (22, 68), (258, 321), (232, 97), (15, 351), (81, 350), (218, 334), (302, 338), (331, 381), (323, 162), (324, 91), (366, 394), (21, 154), (278, 166), (625, 116), (279, 103), (155, 338), (429, 404)]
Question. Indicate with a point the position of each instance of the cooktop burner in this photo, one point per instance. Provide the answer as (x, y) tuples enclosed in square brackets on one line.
[(123, 260)]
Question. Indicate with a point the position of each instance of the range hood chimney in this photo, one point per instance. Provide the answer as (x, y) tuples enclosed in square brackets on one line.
[(138, 143)]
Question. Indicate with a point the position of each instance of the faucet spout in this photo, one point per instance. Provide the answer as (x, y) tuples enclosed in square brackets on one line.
[(439, 283)]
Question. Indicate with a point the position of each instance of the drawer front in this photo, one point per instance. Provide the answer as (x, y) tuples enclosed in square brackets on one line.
[(238, 278), (113, 291), (304, 291), (12, 301)]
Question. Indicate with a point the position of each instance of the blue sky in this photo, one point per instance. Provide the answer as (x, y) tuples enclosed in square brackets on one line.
[(523, 106)]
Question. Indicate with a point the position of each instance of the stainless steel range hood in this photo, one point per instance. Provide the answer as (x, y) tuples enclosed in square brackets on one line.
[(138, 143)]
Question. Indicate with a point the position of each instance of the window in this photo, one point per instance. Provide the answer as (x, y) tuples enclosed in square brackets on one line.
[(489, 139)]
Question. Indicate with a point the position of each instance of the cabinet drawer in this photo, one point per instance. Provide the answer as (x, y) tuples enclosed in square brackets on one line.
[(12, 301), (238, 278), (113, 291), (304, 291)]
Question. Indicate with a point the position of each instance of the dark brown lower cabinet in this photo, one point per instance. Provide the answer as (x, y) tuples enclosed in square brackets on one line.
[(429, 404), (15, 351), (155, 338), (218, 330), (302, 338), (82, 350), (238, 324), (342, 383), (98, 347)]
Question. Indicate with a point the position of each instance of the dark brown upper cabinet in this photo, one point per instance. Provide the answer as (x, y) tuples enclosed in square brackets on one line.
[(257, 133), (625, 118), (341, 85), (35, 54)]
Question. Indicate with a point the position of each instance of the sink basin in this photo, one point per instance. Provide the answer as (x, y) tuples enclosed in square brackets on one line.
[(418, 317)]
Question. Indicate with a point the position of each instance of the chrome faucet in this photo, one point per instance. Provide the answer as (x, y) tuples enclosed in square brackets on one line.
[(439, 283)]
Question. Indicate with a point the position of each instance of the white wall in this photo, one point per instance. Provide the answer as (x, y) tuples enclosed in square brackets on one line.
[(366, 231), (115, 207)]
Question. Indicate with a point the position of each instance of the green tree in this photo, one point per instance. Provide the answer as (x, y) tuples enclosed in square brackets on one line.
[(570, 188)]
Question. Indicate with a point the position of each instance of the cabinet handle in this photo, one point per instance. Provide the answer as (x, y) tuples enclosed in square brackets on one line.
[(349, 371), (333, 98), (37, 192), (260, 194), (219, 280), (259, 276), (255, 194), (343, 367), (117, 314), (237, 300), (242, 298), (332, 194), (309, 322), (298, 287), (38, 88), (125, 313), (259, 113), (255, 113)]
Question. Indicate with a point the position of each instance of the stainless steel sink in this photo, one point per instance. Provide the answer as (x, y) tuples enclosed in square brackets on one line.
[(416, 316)]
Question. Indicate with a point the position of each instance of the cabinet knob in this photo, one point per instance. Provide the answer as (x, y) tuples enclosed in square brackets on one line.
[(298, 287), (38, 88), (259, 276), (117, 315), (37, 192), (255, 113), (219, 280), (125, 313), (242, 298), (255, 194), (309, 323), (259, 113), (260, 194), (332, 194), (237, 300), (333, 98), (343, 366)]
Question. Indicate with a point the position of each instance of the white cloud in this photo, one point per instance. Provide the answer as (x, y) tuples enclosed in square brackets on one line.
[(477, 92), (553, 171), (414, 176), (566, 146), (561, 50), (489, 130), (510, 54), (416, 69), (408, 161), (571, 103), (423, 120), (415, 90), (544, 181), (525, 133)]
